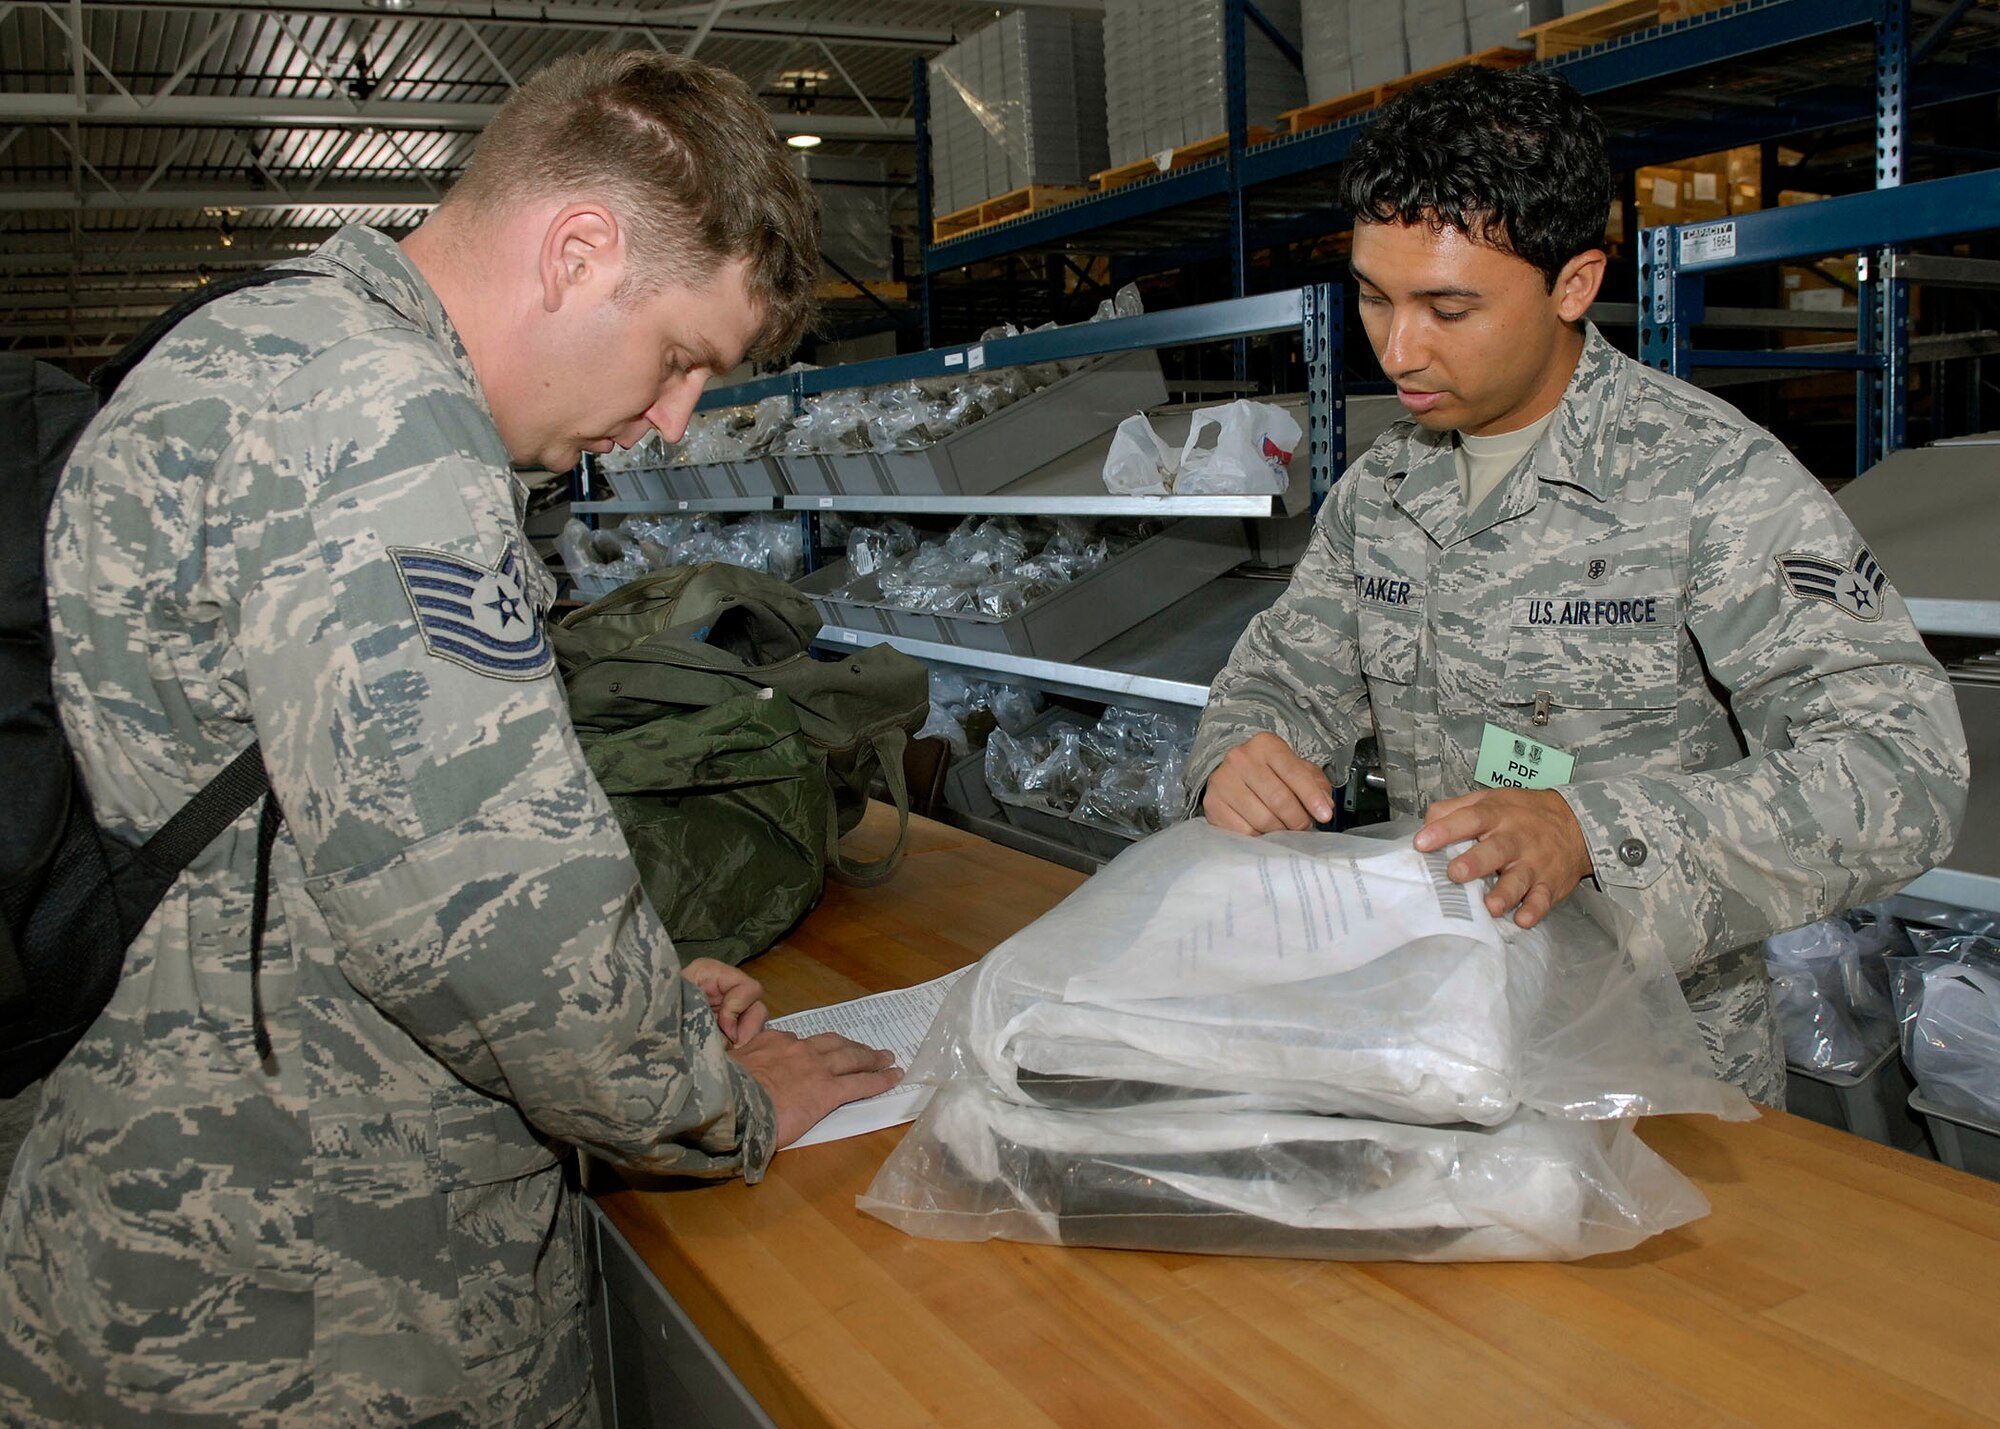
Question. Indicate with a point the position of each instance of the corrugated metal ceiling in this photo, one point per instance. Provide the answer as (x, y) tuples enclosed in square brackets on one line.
[(127, 159)]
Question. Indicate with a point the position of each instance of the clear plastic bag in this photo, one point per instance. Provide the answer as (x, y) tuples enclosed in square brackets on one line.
[(1948, 1004), (1321, 973), (977, 1167), (609, 555), (1830, 994)]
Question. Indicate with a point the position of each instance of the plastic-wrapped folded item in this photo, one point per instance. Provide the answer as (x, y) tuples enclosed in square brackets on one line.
[(1830, 992), (1323, 973), (1948, 1004), (976, 1167)]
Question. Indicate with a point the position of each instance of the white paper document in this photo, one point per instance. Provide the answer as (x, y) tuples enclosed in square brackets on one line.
[(895, 1021), (1255, 913)]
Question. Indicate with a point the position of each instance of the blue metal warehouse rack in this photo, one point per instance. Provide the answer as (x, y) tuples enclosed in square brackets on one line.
[(1770, 70)]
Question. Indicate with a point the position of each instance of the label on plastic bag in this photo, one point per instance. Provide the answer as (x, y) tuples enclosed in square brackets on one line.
[(1258, 915)]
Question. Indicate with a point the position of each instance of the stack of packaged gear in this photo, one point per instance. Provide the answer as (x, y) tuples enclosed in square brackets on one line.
[(1830, 990), (909, 416), (724, 434), (995, 566), (965, 712), (1122, 774), (1305, 1045), (1947, 996), (772, 543)]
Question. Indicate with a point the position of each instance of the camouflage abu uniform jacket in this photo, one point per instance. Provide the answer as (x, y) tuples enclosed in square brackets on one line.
[(1760, 737), (296, 522)]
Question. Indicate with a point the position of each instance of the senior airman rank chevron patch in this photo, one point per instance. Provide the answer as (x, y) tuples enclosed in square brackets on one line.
[(476, 616), (1856, 587)]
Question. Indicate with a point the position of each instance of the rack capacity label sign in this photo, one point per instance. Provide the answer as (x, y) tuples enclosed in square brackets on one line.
[(1708, 243)]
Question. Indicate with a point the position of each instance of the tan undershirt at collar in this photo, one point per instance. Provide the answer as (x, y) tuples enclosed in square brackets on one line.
[(1484, 462)]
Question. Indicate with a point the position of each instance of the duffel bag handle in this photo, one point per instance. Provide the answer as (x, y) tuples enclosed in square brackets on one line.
[(889, 745)]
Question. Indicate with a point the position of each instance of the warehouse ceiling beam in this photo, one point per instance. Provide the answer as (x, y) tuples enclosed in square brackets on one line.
[(274, 112), (701, 31), (361, 193), (848, 79), (567, 17), (45, 262)]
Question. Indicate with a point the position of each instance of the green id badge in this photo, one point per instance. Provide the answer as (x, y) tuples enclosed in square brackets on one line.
[(1513, 761)]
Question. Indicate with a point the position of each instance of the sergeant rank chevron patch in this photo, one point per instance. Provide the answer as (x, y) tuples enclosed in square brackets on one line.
[(1856, 587), (477, 616)]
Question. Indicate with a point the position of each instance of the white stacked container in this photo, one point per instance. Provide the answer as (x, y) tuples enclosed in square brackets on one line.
[(1166, 76), (1020, 102)]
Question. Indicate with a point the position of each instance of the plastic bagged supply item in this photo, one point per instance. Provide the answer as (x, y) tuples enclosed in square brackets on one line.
[(1323, 973), (768, 542), (870, 548), (964, 712), (1139, 463), (1948, 1004), (977, 1167), (1125, 303), (996, 566), (603, 554), (1830, 993), (648, 451), (1242, 449)]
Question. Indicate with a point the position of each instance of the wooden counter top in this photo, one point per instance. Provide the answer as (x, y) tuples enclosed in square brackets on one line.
[(1836, 1282)]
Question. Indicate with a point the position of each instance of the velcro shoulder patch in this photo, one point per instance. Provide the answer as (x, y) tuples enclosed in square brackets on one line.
[(477, 616), (1856, 587)]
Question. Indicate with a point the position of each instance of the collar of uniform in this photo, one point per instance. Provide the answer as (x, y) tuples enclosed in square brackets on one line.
[(1575, 451), (379, 264), (1427, 491), (1572, 452)]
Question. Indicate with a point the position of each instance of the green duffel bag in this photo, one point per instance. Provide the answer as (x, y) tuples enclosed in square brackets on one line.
[(726, 810), (696, 638)]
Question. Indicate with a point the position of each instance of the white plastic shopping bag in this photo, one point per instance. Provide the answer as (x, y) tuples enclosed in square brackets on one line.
[(1243, 449), (1140, 464)]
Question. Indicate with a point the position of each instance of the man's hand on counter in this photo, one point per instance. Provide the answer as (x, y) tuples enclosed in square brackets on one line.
[(1529, 837), (735, 997), (807, 1077), (1262, 786)]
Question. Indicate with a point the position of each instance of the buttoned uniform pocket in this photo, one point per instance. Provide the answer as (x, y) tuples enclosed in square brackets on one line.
[(514, 1225), (1598, 679), (1391, 652)]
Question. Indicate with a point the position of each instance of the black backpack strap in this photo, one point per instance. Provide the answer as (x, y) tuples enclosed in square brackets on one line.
[(114, 369), (260, 903), (159, 861)]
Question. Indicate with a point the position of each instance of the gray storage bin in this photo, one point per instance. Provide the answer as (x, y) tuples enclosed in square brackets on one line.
[(994, 451), (628, 485), (967, 783), (748, 476), (1073, 620), (1963, 1140), (1873, 1103)]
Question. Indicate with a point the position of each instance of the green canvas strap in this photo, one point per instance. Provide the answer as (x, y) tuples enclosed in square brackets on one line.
[(889, 744)]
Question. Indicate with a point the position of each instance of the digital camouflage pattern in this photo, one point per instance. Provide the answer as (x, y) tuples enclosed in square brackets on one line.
[(1639, 579), (296, 522)]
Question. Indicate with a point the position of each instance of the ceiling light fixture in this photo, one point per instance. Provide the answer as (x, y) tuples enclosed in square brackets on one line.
[(389, 4), (226, 232), (804, 141)]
